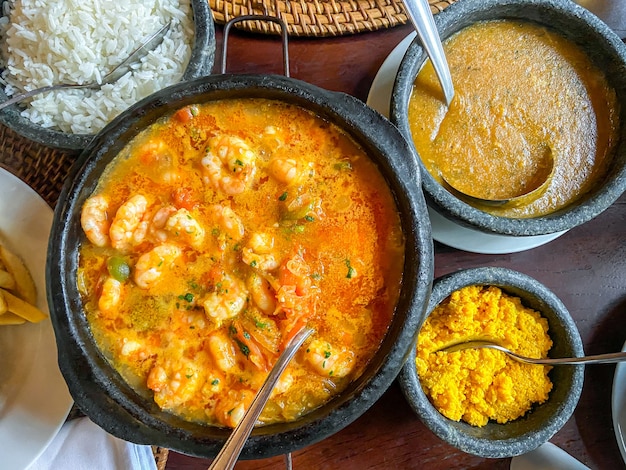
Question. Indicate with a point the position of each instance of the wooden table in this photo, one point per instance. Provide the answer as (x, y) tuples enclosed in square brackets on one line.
[(586, 268)]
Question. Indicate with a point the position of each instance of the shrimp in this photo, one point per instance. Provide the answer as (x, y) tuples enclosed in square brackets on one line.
[(228, 299), (284, 383), (258, 252), (194, 318), (175, 381), (262, 293), (231, 407), (158, 221), (327, 360), (185, 227), (229, 164), (95, 221), (150, 265), (222, 350), (272, 139), (126, 221), (289, 171), (130, 347), (111, 295), (159, 162), (229, 222), (152, 226)]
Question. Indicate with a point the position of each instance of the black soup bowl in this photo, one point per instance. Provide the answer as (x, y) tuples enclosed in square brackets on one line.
[(100, 391), (605, 50)]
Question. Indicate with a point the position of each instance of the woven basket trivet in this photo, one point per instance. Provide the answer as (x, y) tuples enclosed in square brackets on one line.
[(42, 168), (318, 17), (160, 456)]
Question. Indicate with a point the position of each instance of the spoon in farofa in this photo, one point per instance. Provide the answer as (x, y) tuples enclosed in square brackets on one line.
[(229, 453), (148, 44), (595, 359)]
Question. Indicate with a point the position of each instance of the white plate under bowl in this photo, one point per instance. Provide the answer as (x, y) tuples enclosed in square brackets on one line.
[(34, 399), (444, 230), (618, 406)]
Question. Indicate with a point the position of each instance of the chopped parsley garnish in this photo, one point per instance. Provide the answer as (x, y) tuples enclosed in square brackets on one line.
[(351, 270), (244, 349), (188, 297), (342, 166)]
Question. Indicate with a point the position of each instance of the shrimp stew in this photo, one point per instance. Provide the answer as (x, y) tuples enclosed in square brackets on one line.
[(215, 235)]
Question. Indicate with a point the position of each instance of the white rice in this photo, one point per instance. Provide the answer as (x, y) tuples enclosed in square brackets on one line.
[(47, 42)]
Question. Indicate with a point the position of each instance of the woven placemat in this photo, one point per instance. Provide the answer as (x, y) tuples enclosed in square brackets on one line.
[(44, 169), (318, 17)]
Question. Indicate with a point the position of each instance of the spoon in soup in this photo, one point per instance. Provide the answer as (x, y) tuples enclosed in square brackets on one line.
[(422, 19), (229, 453), (481, 344), (147, 45), (513, 201)]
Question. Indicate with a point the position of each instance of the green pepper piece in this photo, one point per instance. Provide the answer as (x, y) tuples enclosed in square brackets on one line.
[(118, 268)]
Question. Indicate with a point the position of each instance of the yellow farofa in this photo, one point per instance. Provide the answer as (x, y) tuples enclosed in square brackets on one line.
[(481, 384)]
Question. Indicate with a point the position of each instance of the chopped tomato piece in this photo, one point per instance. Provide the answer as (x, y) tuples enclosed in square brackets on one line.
[(183, 197), (184, 115)]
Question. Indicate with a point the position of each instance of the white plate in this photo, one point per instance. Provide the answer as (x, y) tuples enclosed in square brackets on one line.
[(618, 405), (34, 399), (444, 230)]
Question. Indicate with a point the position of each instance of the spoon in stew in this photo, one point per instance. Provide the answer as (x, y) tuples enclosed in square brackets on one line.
[(595, 359), (521, 199), (228, 455), (148, 44), (424, 23)]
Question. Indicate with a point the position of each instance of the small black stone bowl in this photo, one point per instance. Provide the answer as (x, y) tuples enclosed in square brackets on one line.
[(592, 36), (200, 64), (543, 421)]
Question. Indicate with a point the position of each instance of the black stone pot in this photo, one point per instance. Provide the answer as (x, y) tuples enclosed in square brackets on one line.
[(573, 22), (200, 64), (99, 390)]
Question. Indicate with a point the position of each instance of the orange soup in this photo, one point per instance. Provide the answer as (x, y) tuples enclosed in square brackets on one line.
[(523, 95), (215, 235)]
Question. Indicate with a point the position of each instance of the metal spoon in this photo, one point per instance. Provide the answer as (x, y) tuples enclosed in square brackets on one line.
[(150, 43), (519, 200), (228, 455), (596, 359), (422, 19)]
